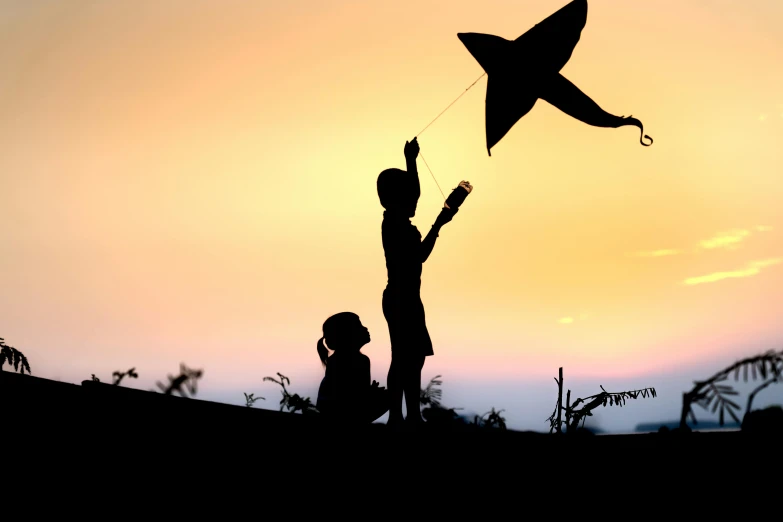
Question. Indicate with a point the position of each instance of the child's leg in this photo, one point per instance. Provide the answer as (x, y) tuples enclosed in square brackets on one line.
[(394, 383), (394, 380), (412, 388)]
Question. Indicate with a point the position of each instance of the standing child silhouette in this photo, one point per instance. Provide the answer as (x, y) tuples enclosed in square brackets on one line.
[(346, 394), (405, 253)]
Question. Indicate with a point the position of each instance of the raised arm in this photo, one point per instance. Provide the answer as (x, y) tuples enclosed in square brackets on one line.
[(428, 243), (411, 153)]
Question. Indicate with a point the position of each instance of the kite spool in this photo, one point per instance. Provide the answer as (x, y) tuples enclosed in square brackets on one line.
[(458, 195)]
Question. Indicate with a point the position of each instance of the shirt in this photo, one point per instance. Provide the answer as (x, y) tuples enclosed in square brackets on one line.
[(402, 248)]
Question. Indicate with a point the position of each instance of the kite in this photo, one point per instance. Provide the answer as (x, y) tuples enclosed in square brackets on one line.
[(520, 72)]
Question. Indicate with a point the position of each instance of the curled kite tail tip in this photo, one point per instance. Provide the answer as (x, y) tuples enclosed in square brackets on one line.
[(634, 121), (489, 153)]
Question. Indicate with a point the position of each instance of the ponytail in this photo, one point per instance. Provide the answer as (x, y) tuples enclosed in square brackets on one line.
[(323, 353)]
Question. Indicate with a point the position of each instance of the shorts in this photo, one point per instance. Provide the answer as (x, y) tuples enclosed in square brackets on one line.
[(404, 313)]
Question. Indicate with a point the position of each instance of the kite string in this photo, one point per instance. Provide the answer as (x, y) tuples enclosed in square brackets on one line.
[(433, 175), (450, 104), (433, 121)]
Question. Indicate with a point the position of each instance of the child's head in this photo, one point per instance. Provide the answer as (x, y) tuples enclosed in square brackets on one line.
[(398, 191), (343, 331)]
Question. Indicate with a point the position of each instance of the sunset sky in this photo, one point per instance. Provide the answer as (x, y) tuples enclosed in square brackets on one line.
[(194, 181)]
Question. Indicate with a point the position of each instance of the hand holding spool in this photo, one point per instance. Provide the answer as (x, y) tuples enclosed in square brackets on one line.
[(451, 206), (458, 195)]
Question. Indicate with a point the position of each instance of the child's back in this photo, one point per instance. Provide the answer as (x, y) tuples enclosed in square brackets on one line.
[(345, 384)]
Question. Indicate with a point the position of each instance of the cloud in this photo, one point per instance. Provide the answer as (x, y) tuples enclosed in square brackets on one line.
[(753, 268), (656, 253), (766, 262), (717, 276), (727, 239)]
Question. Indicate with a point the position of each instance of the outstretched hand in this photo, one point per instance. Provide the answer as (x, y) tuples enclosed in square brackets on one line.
[(411, 149)]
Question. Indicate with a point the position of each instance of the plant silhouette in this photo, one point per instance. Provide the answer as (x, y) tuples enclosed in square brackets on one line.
[(769, 366), (250, 400), (14, 357), (494, 419), (574, 416), (430, 396), (752, 395), (434, 412), (118, 376), (184, 383), (293, 402)]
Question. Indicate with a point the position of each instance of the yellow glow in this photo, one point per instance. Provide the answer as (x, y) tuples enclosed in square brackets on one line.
[(195, 181), (754, 268), (725, 239), (717, 276), (657, 253), (766, 262)]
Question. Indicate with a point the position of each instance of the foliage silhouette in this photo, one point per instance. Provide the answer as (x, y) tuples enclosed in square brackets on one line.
[(184, 383), (494, 419), (574, 416), (436, 413), (118, 376), (249, 399), (430, 396), (14, 357), (752, 395), (710, 393), (293, 402)]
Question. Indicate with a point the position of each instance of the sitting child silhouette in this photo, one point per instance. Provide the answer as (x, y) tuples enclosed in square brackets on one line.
[(347, 394), (405, 253)]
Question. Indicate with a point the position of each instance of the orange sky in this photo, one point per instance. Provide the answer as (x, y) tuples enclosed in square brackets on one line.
[(195, 181)]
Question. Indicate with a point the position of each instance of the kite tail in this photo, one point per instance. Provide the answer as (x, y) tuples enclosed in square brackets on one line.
[(630, 120), (567, 97)]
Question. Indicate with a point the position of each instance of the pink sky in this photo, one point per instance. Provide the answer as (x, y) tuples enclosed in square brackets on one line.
[(195, 181)]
